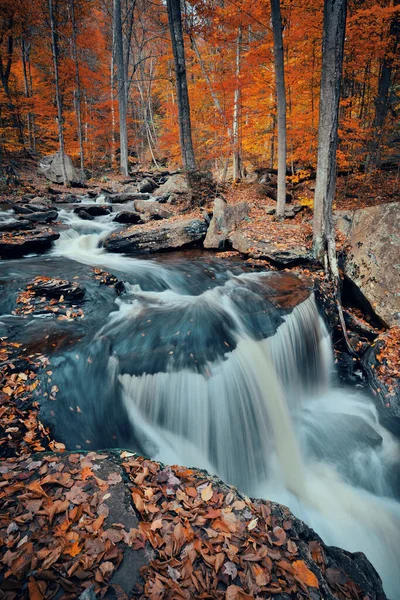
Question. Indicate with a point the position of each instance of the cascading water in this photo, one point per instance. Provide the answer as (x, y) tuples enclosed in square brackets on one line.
[(220, 369)]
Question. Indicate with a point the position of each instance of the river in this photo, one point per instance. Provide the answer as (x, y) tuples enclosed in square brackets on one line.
[(194, 364)]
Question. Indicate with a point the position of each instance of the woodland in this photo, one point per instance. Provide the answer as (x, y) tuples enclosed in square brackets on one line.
[(200, 301)]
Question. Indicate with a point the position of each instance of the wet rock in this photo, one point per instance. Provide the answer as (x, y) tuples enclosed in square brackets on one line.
[(175, 184), (147, 185), (372, 261), (127, 197), (152, 209), (43, 217), (225, 218), (383, 378), (83, 214), (54, 288), (128, 217), (20, 224), (95, 210), (166, 236), (51, 167), (36, 241)]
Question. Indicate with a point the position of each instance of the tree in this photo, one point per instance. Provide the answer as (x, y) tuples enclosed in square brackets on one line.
[(237, 157), (54, 49), (382, 97), (78, 91), (122, 86), (185, 127), (325, 187), (281, 105)]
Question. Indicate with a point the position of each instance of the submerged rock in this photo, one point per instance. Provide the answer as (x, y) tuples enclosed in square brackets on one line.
[(372, 261), (225, 218), (166, 236), (26, 242), (161, 532)]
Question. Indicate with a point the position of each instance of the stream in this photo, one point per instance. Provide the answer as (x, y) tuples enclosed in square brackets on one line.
[(196, 364)]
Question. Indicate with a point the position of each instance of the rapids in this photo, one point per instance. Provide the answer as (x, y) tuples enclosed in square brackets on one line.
[(194, 364)]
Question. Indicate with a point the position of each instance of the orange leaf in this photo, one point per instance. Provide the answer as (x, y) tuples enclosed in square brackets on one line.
[(304, 575)]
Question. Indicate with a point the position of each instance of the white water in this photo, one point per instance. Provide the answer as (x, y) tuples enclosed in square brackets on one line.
[(264, 416)]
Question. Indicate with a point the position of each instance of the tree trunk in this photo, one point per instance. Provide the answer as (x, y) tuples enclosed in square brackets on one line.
[(122, 87), (28, 93), (185, 128), (5, 72), (325, 187), (382, 97), (281, 105), (237, 159), (78, 87), (54, 48)]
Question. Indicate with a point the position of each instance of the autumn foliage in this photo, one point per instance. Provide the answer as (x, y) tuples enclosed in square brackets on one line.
[(27, 96)]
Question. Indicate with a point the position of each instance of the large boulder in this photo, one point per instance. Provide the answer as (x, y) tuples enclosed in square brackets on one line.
[(372, 259), (166, 236), (147, 185), (51, 167), (225, 218), (26, 242), (130, 217), (116, 525), (175, 184)]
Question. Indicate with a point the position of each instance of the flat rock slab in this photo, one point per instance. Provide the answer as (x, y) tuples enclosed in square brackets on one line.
[(260, 249), (115, 525), (168, 236), (372, 261), (26, 242), (126, 197)]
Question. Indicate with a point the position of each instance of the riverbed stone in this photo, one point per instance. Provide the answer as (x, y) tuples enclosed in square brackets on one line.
[(25, 242), (165, 236), (260, 249), (152, 209)]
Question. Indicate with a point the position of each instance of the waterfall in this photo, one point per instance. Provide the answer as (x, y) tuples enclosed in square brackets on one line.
[(209, 369)]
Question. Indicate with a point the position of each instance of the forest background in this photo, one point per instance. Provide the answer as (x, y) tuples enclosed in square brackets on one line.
[(231, 81)]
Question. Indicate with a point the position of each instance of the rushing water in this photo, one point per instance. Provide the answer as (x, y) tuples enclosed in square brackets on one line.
[(194, 364)]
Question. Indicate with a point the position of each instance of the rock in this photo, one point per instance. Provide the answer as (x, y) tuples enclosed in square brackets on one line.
[(20, 224), (175, 184), (225, 218), (126, 546), (171, 198), (128, 216), (51, 167), (147, 185), (37, 241), (167, 236), (43, 217), (95, 210), (83, 214), (152, 209), (372, 261), (54, 288), (267, 190), (127, 197), (268, 250), (383, 377)]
